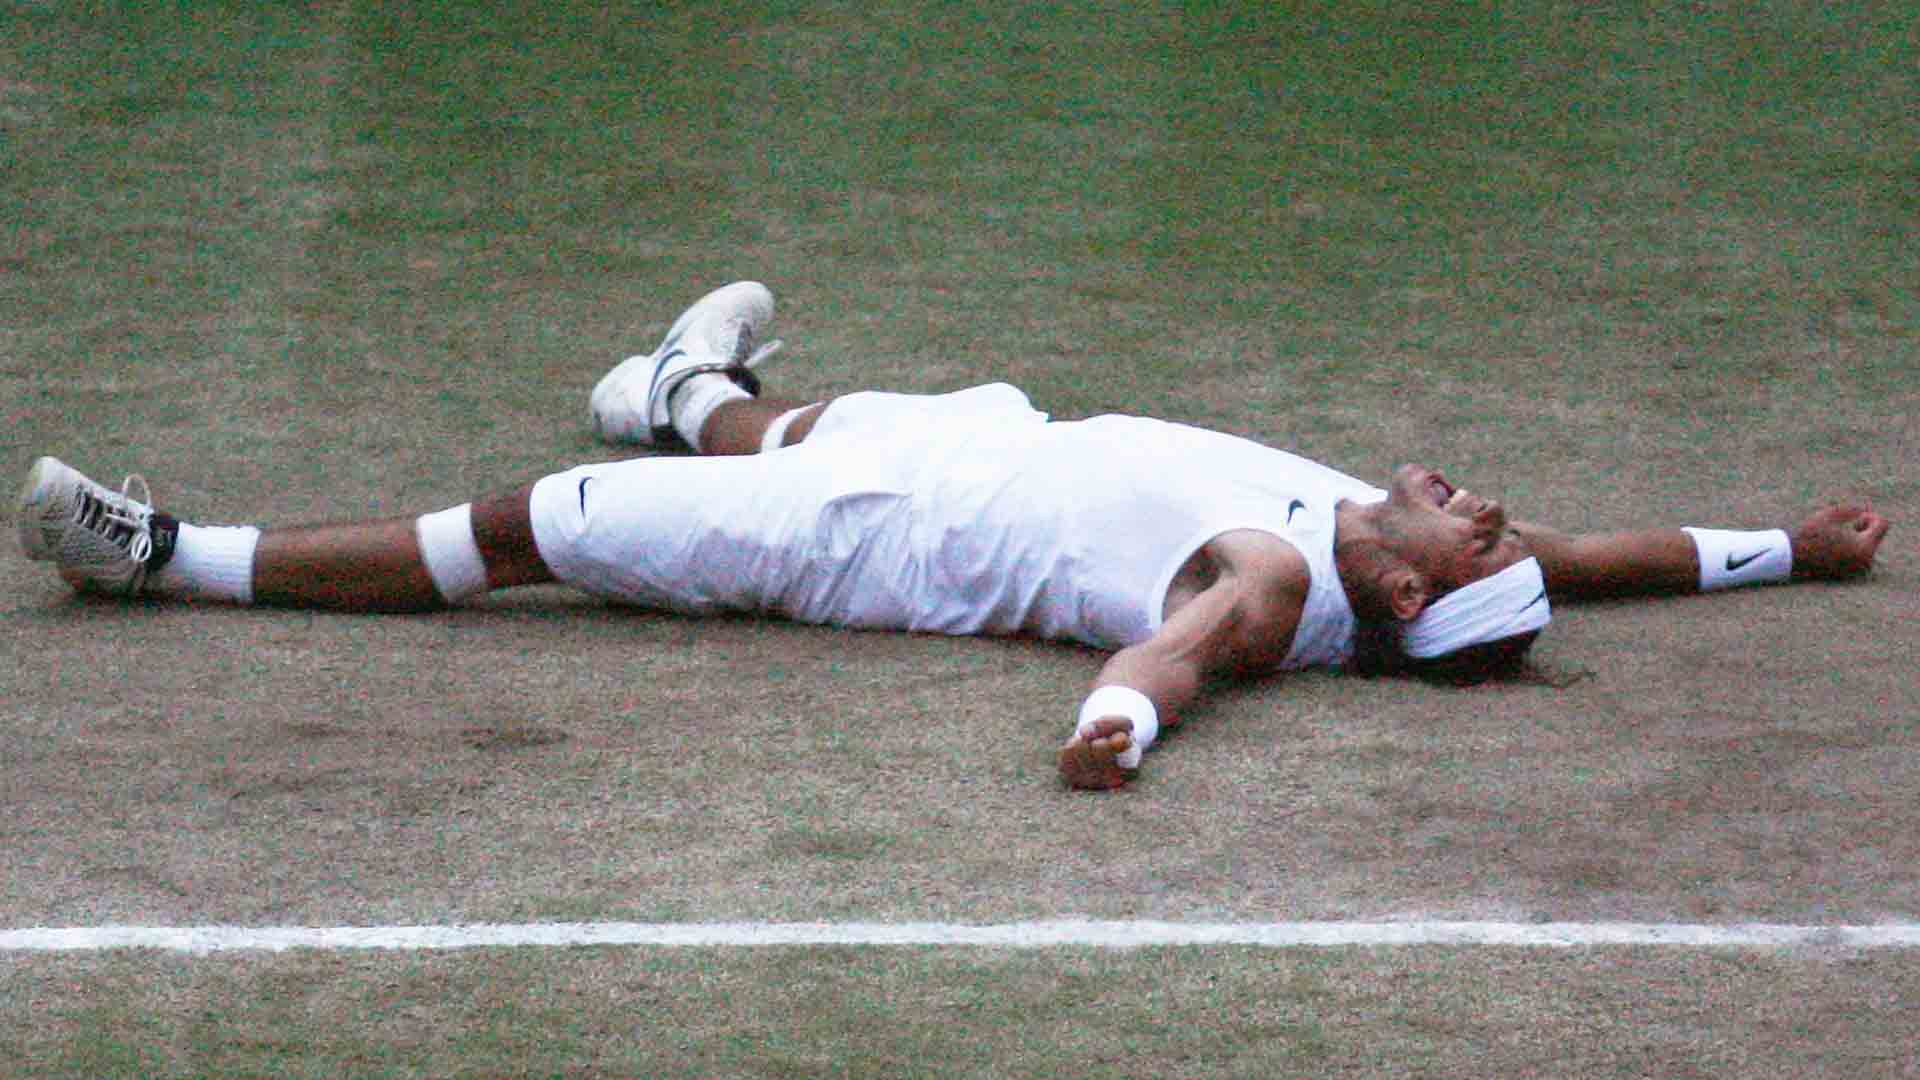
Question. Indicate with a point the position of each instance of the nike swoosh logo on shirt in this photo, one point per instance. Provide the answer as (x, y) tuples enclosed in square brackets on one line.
[(1735, 564), (1291, 507)]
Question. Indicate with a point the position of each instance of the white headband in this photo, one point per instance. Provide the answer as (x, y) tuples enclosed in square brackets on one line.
[(1510, 602)]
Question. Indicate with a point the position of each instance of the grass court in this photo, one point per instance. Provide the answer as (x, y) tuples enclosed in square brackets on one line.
[(1618, 264)]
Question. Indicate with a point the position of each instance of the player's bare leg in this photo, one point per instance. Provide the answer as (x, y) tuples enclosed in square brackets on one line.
[(115, 543), (741, 427), (365, 566), (381, 566)]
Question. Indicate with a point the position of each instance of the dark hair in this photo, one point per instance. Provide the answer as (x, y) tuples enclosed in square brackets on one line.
[(1500, 658), (1377, 638), (1377, 651)]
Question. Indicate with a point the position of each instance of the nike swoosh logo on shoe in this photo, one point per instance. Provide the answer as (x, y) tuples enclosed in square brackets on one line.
[(1735, 564), (1293, 506)]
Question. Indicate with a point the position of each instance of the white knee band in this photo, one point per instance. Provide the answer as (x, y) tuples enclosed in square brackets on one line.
[(1729, 558), (1130, 703), (452, 555), (777, 431)]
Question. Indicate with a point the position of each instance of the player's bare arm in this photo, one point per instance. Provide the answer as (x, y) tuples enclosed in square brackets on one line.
[(1833, 543), (1241, 622)]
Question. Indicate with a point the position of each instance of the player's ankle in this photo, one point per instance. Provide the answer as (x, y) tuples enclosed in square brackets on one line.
[(694, 402), (202, 562)]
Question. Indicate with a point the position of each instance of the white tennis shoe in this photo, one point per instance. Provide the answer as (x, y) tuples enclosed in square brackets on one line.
[(99, 538), (720, 333)]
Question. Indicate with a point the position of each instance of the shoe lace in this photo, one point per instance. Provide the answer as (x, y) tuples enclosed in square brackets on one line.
[(751, 359), (762, 353), (123, 520)]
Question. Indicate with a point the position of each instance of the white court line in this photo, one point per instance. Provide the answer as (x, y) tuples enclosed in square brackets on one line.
[(1019, 935)]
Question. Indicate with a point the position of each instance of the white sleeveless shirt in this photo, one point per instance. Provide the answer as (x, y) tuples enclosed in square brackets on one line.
[(1076, 529)]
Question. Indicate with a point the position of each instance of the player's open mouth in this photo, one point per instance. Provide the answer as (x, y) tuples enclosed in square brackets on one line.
[(1441, 491)]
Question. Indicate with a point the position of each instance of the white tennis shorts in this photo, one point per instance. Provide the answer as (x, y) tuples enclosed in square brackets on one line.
[(814, 532)]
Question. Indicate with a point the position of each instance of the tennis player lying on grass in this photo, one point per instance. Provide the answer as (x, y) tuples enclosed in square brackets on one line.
[(1188, 553)]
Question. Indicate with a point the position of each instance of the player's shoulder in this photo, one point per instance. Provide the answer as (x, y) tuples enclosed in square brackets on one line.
[(1269, 573)]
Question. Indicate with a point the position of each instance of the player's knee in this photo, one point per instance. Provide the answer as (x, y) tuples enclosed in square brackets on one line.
[(503, 533), (481, 545)]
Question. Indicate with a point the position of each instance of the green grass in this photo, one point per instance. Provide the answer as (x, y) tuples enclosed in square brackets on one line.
[(1618, 264), (965, 1013)]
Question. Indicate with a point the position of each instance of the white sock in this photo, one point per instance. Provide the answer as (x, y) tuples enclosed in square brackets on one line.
[(694, 400), (212, 562)]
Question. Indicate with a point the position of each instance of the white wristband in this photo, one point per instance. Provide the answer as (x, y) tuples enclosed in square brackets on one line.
[(1130, 703), (1729, 558)]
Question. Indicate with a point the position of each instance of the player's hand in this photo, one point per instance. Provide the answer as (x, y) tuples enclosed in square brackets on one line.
[(1088, 761), (1838, 542)]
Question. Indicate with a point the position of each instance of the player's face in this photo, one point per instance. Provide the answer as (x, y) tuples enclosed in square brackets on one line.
[(1451, 535)]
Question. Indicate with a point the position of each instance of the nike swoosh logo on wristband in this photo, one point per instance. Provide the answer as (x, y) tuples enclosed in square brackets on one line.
[(1293, 506), (1735, 564)]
